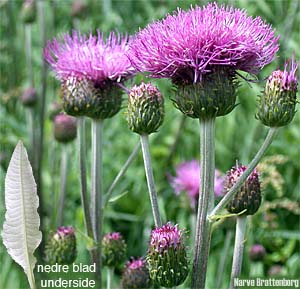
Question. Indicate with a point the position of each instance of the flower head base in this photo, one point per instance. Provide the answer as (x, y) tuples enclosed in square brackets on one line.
[(257, 253), (278, 102), (167, 260), (61, 247), (189, 44), (248, 197), (145, 109), (188, 177), (65, 128), (136, 275), (113, 249), (90, 69), (29, 97)]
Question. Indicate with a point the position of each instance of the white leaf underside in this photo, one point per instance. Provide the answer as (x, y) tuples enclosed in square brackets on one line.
[(21, 235)]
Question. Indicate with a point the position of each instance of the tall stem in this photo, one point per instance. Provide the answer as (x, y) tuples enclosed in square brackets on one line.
[(28, 53), (110, 272), (150, 179), (96, 195), (82, 176), (238, 249), (269, 138), (121, 174), (224, 258), (206, 202), (63, 182)]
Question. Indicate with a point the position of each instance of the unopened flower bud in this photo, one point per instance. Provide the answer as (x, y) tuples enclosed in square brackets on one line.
[(136, 275), (145, 109), (54, 109), (249, 195), (65, 128), (78, 9), (214, 96), (167, 258), (29, 97), (257, 253), (113, 250), (61, 247), (28, 12), (276, 106)]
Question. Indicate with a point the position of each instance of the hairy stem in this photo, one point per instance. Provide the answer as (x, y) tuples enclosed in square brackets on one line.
[(150, 180), (96, 195), (205, 204), (238, 249), (121, 174), (63, 184), (224, 258), (269, 138)]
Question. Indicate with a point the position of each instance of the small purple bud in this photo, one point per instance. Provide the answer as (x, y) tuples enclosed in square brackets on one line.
[(257, 253), (145, 108), (29, 97), (54, 109), (275, 271), (79, 9), (167, 256), (136, 275), (61, 247), (65, 128), (28, 12), (113, 249), (248, 197)]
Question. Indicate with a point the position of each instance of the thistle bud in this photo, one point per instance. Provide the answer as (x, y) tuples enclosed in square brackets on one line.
[(248, 197), (145, 109), (276, 106), (214, 96), (54, 109), (136, 275), (61, 247), (276, 271), (113, 250), (65, 128), (28, 12), (257, 253), (29, 97), (78, 9), (167, 259)]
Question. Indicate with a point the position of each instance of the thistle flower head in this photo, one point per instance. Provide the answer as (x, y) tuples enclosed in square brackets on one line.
[(257, 252), (145, 108), (113, 249), (135, 275), (89, 57), (188, 179), (249, 196), (29, 97), (65, 128), (277, 103), (61, 247), (167, 259), (189, 44), (90, 68)]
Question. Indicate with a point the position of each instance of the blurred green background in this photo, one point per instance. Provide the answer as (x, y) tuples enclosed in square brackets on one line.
[(238, 136)]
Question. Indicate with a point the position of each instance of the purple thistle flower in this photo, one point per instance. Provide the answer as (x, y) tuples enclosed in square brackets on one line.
[(189, 44), (257, 252), (89, 57), (113, 236), (188, 179), (64, 231), (134, 264)]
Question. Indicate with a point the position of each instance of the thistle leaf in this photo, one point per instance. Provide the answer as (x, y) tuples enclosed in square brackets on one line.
[(21, 235)]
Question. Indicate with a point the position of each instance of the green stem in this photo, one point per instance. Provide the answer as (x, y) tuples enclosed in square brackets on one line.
[(82, 176), (224, 258), (110, 272), (96, 195), (121, 174), (28, 53), (63, 183), (238, 249), (150, 180), (269, 138), (205, 204)]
